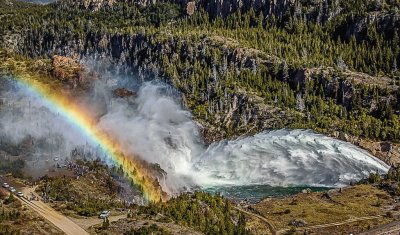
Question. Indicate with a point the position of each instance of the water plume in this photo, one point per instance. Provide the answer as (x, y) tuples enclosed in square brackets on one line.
[(151, 126), (78, 117), (283, 158)]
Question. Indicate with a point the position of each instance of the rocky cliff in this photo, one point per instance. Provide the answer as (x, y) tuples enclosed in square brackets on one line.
[(231, 87), (222, 8), (320, 10), (92, 5), (240, 109)]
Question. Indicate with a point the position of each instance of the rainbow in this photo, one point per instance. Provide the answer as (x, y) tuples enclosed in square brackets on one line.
[(136, 170)]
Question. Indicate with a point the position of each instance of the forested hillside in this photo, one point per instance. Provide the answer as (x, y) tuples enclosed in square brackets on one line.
[(242, 67)]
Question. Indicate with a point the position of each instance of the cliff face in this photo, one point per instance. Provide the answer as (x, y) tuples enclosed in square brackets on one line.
[(360, 27), (244, 110), (222, 8), (143, 54), (92, 5), (215, 72), (71, 72), (240, 109), (320, 10)]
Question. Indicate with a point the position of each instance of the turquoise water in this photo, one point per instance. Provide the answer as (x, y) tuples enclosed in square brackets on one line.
[(255, 193)]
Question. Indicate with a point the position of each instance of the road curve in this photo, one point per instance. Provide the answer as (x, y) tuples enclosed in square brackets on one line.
[(60, 221), (387, 229), (270, 226), (320, 226)]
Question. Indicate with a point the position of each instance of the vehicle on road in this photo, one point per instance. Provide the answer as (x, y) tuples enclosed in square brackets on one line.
[(12, 189), (5, 185), (20, 194), (104, 214)]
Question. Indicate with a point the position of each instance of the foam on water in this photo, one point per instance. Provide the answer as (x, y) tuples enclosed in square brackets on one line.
[(154, 127), (284, 158)]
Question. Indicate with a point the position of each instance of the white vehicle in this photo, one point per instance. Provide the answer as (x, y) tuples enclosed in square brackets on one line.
[(104, 214), (20, 194), (5, 185), (12, 189)]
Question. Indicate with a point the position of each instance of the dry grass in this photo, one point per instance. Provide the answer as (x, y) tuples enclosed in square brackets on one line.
[(350, 228), (315, 208)]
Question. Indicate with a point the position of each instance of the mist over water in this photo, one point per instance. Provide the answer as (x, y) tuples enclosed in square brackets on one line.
[(284, 158), (158, 130), (153, 126), (28, 128)]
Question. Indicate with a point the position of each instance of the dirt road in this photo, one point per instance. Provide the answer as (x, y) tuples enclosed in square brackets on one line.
[(391, 227), (68, 225), (59, 220), (56, 218), (387, 229), (270, 226)]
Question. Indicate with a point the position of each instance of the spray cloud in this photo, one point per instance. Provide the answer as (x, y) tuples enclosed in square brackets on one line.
[(156, 128)]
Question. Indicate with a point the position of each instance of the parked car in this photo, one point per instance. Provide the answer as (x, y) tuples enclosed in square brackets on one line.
[(12, 189), (104, 214), (5, 185), (20, 194)]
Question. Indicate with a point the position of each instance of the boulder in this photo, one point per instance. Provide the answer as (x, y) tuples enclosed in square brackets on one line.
[(306, 191), (65, 68), (385, 146), (298, 223), (92, 5), (190, 8), (123, 92)]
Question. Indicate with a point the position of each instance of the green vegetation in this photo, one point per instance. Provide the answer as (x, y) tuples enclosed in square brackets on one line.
[(6, 230), (9, 213), (297, 70), (152, 229), (389, 182), (209, 214), (82, 196), (10, 199), (14, 167), (61, 189)]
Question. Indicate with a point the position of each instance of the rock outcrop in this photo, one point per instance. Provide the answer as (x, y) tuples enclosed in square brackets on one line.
[(190, 8), (221, 111), (71, 72), (91, 5), (222, 8), (123, 93), (242, 110)]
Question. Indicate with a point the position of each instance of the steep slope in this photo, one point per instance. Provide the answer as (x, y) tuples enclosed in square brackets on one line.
[(328, 66)]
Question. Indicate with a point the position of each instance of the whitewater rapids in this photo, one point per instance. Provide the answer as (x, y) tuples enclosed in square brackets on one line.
[(155, 127), (284, 158)]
